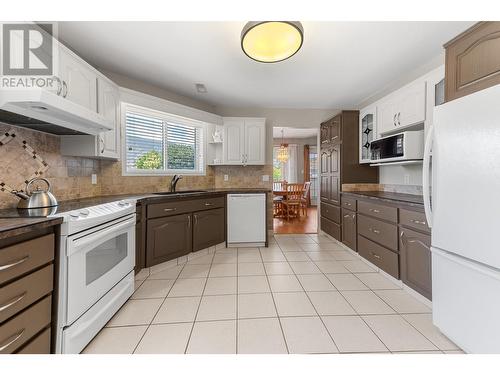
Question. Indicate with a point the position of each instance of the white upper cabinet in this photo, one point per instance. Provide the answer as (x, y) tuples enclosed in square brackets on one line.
[(403, 108), (79, 80), (367, 132), (244, 141), (108, 107)]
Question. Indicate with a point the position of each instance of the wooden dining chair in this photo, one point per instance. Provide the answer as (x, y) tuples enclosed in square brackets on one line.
[(305, 197), (278, 187), (292, 201)]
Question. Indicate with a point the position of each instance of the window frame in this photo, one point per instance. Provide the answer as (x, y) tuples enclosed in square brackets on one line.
[(167, 117)]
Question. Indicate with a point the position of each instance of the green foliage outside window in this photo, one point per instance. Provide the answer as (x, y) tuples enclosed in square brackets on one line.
[(150, 160)]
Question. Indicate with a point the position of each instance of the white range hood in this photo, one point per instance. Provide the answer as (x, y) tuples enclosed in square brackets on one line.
[(47, 112)]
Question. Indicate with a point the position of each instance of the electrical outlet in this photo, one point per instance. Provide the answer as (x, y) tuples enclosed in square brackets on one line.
[(94, 179), (265, 178), (226, 177), (407, 179)]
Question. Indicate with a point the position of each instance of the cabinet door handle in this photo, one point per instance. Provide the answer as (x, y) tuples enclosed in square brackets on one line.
[(101, 141), (376, 231), (347, 203), (65, 89), (346, 216), (335, 137), (195, 219), (418, 222), (169, 209), (13, 301), (394, 119), (375, 255), (15, 263), (11, 340), (374, 210), (405, 241), (209, 204), (189, 220), (399, 115)]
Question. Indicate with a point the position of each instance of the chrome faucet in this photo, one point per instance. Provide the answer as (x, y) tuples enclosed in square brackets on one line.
[(173, 182)]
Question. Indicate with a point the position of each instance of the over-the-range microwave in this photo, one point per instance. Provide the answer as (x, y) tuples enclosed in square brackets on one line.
[(405, 146)]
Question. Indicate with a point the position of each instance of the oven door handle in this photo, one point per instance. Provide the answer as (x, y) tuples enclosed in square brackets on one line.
[(90, 240)]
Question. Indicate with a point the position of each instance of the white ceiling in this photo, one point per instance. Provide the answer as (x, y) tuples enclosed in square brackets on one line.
[(294, 132), (339, 65)]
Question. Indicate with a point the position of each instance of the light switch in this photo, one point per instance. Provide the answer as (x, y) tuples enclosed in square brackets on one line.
[(94, 179), (265, 178), (226, 177)]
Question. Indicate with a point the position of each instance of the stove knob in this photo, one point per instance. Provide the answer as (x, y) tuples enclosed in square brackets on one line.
[(84, 212), (74, 214), (123, 203)]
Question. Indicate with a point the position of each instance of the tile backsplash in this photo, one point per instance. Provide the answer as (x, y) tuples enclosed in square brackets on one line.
[(70, 176)]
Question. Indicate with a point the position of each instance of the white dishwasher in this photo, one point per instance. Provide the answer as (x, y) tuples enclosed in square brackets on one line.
[(246, 220)]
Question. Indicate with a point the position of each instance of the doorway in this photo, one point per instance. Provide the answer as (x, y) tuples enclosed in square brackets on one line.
[(295, 180)]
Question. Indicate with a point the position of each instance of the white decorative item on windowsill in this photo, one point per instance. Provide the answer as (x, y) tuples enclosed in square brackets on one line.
[(217, 136), (217, 161)]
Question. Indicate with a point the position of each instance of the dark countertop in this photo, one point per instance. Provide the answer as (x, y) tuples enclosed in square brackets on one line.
[(15, 226), (10, 220), (385, 195)]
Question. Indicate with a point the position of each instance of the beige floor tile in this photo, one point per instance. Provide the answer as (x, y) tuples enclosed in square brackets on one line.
[(342, 255), (319, 255), (225, 258), (119, 340), (304, 268), (260, 336), (397, 334), (330, 303), (284, 283), (217, 308), (194, 271), (204, 259), (250, 257), (366, 302), (251, 269), (136, 312), (153, 289), (247, 250), (377, 281), (306, 335), (165, 339), (453, 352), (259, 305), (420, 352), (253, 284), (178, 310), (213, 338), (220, 285), (402, 301), (187, 288), (293, 304), (297, 256), (312, 283), (346, 281), (224, 269), (352, 335), (357, 266), (272, 255), (278, 268), (168, 273), (313, 247), (423, 323), (331, 267), (304, 240), (142, 274), (289, 248), (138, 283)]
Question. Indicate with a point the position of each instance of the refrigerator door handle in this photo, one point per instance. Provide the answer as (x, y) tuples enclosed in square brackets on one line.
[(425, 176)]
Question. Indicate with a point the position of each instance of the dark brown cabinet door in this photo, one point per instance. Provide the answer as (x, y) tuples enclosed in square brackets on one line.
[(335, 159), (325, 161), (208, 229), (416, 261), (335, 189), (325, 133), (335, 130), (168, 238), (325, 188), (349, 229)]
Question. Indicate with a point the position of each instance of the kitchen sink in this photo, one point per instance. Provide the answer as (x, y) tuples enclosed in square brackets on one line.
[(180, 192)]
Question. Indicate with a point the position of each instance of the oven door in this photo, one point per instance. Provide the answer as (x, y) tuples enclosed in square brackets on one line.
[(97, 260)]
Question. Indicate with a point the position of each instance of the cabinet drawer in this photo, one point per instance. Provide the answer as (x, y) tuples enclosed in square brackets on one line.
[(24, 326), (413, 219), (22, 257), (39, 345), (383, 233), (21, 293), (330, 212), (331, 228), (208, 203), (349, 203), (379, 211), (379, 256)]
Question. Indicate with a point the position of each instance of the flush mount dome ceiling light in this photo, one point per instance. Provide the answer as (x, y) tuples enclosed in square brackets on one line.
[(272, 41)]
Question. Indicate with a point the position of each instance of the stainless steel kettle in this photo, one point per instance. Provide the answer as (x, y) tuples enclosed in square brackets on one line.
[(37, 198)]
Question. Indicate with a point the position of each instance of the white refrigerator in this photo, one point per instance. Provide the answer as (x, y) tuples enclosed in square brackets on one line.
[(462, 201)]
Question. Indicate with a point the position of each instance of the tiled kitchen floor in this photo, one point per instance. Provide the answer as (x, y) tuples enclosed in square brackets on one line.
[(303, 294)]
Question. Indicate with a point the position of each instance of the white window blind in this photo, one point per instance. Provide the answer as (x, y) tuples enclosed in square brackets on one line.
[(159, 143)]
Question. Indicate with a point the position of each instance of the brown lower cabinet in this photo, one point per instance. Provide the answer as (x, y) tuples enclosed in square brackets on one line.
[(349, 229), (415, 251), (208, 228)]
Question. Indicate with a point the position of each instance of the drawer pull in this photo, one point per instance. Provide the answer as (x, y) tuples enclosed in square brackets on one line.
[(169, 209), (16, 263), (11, 340), (418, 222), (209, 204), (12, 302), (347, 204), (346, 216), (375, 210), (376, 231), (375, 255)]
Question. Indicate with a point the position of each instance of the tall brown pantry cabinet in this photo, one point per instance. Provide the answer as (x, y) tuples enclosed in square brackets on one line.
[(339, 164)]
